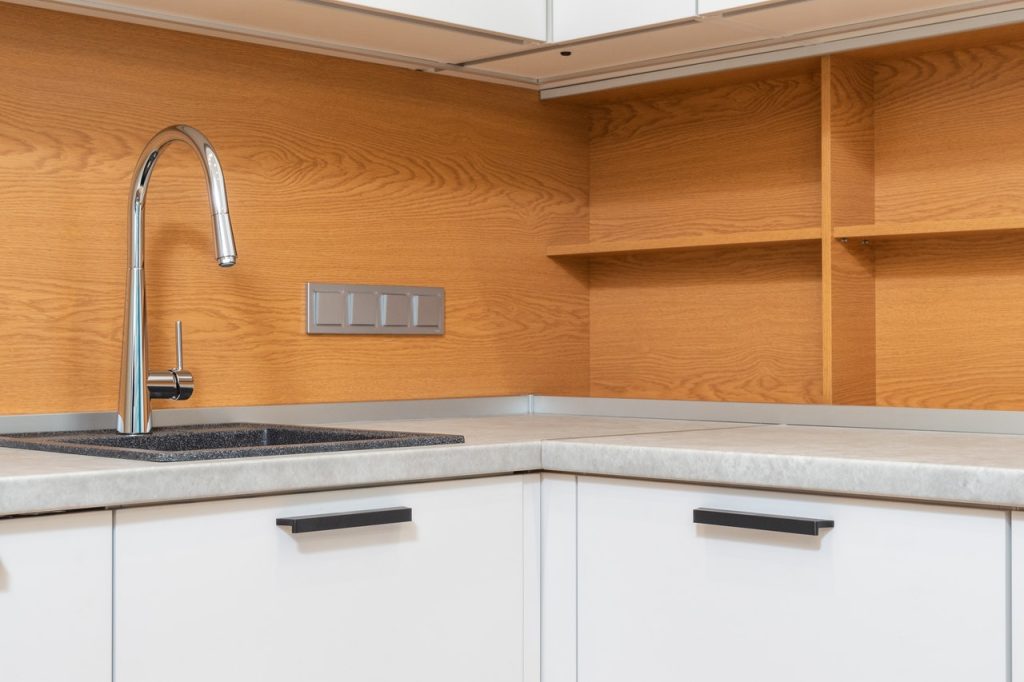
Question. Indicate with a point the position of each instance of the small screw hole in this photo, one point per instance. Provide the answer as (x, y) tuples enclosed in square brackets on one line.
[(566, 53)]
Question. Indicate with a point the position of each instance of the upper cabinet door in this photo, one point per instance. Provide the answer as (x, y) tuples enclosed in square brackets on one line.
[(522, 18), (560, 64), (347, 28), (712, 6), (784, 18), (574, 19)]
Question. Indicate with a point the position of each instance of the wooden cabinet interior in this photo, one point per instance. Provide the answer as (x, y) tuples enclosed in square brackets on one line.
[(710, 198)]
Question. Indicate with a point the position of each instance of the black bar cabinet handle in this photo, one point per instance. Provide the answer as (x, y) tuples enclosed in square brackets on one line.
[(356, 519), (769, 522)]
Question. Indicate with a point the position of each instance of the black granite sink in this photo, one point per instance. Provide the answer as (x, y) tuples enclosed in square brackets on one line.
[(219, 441)]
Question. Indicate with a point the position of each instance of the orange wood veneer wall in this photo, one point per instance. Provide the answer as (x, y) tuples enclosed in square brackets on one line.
[(338, 171)]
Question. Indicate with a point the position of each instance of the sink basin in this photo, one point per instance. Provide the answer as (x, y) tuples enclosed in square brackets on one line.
[(219, 441)]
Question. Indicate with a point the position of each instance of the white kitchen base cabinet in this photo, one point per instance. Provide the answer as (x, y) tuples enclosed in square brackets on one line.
[(55, 587), (1017, 597), (893, 593), (218, 591)]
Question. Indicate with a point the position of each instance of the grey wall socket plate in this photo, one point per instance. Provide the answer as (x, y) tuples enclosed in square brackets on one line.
[(374, 309)]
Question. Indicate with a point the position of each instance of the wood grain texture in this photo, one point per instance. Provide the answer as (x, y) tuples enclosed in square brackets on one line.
[(802, 234), (996, 35), (848, 196), (337, 171), (925, 228), (849, 323), (948, 138), (950, 159), (737, 324), (735, 158), (806, 67), (950, 322)]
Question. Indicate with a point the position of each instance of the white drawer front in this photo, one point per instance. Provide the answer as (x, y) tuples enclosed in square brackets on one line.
[(55, 598), (894, 592), (217, 591)]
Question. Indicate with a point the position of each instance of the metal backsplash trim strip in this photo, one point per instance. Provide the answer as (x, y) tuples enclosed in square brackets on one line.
[(850, 416), (907, 418), (319, 413)]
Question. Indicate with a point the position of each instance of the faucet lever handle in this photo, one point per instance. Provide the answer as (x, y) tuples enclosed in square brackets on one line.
[(184, 383), (174, 384), (180, 347)]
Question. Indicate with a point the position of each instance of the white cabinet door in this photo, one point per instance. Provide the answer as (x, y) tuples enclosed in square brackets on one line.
[(320, 25), (893, 593), (523, 18), (781, 18), (581, 18), (1017, 582), (55, 574), (217, 591), (714, 6)]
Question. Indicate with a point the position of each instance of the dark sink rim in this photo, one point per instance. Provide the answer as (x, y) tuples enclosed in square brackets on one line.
[(60, 442)]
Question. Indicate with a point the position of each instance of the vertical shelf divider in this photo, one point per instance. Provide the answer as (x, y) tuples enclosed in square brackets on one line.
[(848, 198)]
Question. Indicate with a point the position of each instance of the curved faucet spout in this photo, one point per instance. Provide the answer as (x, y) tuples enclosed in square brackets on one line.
[(138, 384), (222, 234)]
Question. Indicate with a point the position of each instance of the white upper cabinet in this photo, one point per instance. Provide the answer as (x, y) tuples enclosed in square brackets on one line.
[(522, 18), (611, 44), (526, 41), (782, 18), (712, 6), (630, 50), (335, 28), (572, 19)]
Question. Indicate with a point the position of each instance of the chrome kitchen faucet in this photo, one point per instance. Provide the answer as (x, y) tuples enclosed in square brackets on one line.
[(138, 384)]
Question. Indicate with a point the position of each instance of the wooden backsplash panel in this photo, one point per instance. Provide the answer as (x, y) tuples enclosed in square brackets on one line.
[(738, 324), (950, 322), (717, 160), (336, 170), (948, 140)]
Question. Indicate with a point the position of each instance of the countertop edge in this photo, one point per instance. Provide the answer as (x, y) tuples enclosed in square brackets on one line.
[(174, 483), (982, 486)]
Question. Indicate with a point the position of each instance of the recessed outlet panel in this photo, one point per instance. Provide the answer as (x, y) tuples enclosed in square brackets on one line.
[(371, 309)]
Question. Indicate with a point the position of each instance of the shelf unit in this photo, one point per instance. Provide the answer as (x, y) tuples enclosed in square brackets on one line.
[(849, 231), (924, 228), (683, 243)]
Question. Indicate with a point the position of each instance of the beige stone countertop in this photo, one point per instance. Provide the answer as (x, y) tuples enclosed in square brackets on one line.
[(33, 482), (978, 469), (962, 468)]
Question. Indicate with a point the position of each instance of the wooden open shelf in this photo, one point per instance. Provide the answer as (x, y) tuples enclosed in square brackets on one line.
[(924, 228), (880, 148), (704, 250), (683, 243)]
